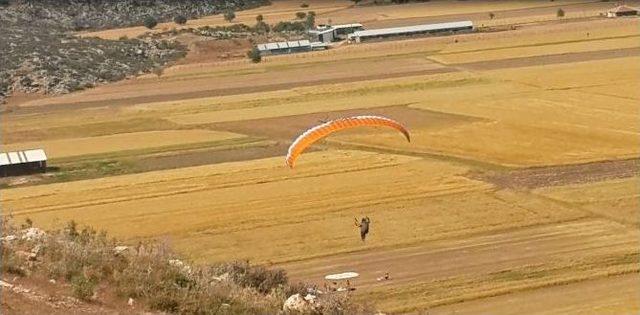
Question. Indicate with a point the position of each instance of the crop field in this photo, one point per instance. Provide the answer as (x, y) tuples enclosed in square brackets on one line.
[(520, 183), (123, 141)]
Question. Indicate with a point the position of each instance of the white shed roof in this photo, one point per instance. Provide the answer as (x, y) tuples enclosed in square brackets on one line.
[(19, 157), (342, 276), (36, 155), (283, 45), (414, 28), (348, 25), (4, 159), (321, 31)]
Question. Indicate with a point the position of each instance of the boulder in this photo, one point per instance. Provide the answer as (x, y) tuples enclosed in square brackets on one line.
[(9, 238), (120, 250), (178, 263), (296, 303), (33, 234)]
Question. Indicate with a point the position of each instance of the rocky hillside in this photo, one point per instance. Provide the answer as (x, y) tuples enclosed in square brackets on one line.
[(40, 54), (100, 14)]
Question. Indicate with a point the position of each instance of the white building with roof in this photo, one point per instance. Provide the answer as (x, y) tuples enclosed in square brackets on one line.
[(438, 28), (22, 162), (331, 33), (280, 48), (622, 10)]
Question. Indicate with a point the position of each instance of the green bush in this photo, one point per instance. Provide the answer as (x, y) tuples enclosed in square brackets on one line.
[(290, 27), (229, 15), (150, 22), (4, 2), (180, 20), (254, 55), (560, 13), (304, 5), (82, 287), (300, 15)]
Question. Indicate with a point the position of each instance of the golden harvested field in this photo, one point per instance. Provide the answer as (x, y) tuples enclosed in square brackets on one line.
[(520, 52), (123, 142), (520, 184), (613, 199)]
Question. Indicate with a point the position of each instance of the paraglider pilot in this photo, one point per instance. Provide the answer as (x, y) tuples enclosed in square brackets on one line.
[(364, 227)]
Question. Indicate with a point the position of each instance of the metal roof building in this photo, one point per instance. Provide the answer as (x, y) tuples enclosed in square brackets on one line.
[(289, 47), (330, 33), (284, 47), (412, 30), (22, 162), (622, 10)]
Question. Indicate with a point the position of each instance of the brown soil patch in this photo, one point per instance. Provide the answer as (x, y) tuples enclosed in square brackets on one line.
[(202, 50), (550, 59), (205, 157), (291, 126), (563, 175)]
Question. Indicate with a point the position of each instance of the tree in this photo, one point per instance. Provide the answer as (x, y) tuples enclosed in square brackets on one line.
[(304, 5), (4, 2), (300, 15), (150, 22), (229, 15), (491, 15), (259, 18), (310, 22), (560, 13), (356, 1), (180, 19), (262, 27), (254, 55)]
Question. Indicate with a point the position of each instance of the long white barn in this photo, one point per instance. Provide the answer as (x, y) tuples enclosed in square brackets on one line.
[(359, 36)]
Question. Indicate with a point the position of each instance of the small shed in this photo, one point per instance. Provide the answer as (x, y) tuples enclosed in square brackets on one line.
[(622, 10), (23, 162)]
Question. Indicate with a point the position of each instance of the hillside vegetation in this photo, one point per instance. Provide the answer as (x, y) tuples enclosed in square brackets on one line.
[(87, 268), (42, 55)]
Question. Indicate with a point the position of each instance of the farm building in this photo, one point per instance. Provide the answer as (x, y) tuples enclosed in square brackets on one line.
[(439, 28), (330, 33), (343, 30), (323, 34), (280, 48), (622, 10), (22, 162)]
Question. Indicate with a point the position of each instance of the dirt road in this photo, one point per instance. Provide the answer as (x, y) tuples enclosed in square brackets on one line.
[(613, 295), (480, 254)]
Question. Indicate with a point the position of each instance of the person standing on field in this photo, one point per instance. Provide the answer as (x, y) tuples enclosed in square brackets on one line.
[(364, 227)]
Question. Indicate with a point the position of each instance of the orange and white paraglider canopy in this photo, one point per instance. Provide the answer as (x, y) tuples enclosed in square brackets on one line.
[(320, 131)]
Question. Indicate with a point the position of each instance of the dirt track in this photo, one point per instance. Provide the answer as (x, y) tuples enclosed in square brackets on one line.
[(471, 256), (613, 295), (563, 175), (550, 59), (475, 254)]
